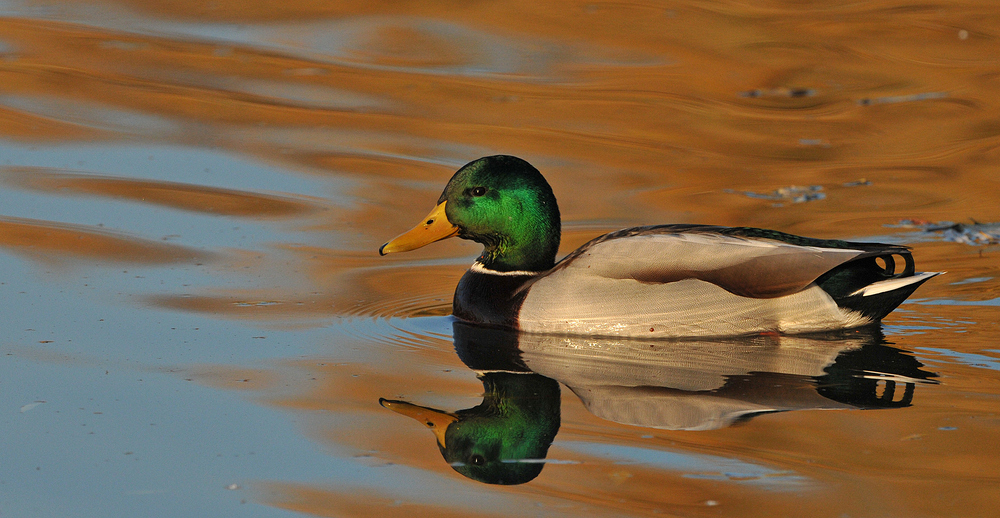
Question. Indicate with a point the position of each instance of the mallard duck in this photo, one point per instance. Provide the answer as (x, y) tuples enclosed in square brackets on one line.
[(654, 281)]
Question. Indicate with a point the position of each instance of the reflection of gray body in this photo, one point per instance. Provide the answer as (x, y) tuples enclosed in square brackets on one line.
[(708, 384)]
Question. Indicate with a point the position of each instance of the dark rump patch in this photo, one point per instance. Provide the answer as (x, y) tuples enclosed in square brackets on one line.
[(854, 275)]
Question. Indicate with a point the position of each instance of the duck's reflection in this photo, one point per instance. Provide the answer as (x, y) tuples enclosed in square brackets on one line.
[(503, 439), (497, 440), (674, 385)]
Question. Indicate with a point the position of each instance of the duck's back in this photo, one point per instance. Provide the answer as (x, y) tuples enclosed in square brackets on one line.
[(693, 280)]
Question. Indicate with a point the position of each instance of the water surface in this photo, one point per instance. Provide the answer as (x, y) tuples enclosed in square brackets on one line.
[(197, 321)]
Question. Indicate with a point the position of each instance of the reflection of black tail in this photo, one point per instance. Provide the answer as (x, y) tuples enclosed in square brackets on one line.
[(875, 376), (865, 286)]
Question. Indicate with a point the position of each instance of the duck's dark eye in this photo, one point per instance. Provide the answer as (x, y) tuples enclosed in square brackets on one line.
[(478, 191), (477, 460)]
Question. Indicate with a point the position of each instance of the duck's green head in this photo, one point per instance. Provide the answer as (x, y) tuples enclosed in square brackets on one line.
[(500, 201)]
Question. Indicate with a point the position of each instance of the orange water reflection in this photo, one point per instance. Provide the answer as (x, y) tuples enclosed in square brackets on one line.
[(195, 198), (55, 242)]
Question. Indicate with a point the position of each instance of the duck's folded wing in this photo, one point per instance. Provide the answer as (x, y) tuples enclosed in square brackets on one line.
[(744, 266)]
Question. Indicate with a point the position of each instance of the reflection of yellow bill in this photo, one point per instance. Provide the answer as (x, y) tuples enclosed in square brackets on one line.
[(434, 227), (436, 420)]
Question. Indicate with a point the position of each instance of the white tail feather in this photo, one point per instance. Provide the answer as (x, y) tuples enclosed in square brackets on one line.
[(893, 284)]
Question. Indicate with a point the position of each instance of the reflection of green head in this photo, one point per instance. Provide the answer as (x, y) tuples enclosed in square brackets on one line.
[(504, 439)]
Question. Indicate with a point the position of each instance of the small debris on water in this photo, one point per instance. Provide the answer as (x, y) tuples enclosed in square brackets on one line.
[(778, 92), (31, 405), (975, 234), (871, 101), (793, 194)]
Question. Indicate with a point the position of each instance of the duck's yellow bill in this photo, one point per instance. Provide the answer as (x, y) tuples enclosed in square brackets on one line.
[(436, 420), (434, 227)]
